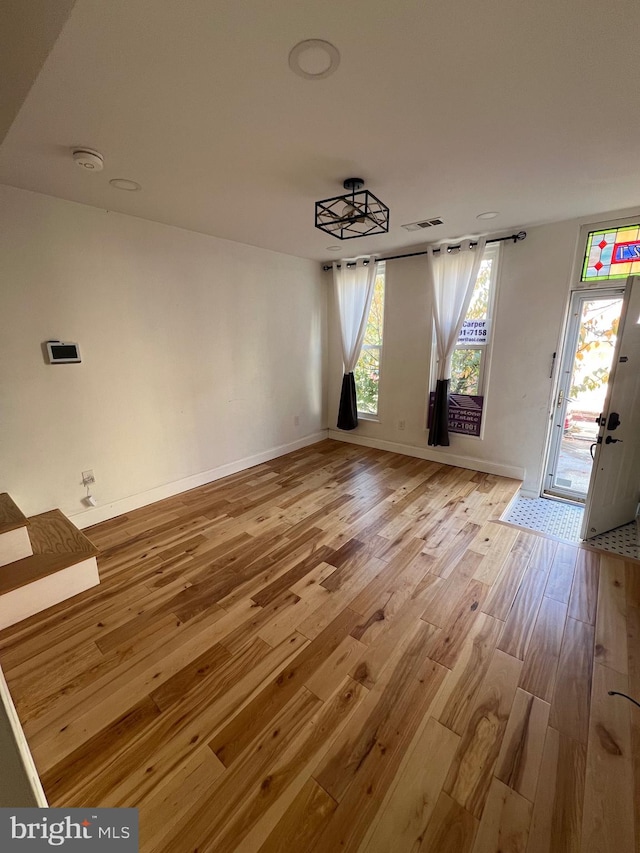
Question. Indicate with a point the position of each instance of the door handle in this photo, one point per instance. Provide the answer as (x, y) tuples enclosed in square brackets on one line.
[(595, 444), (614, 421), (609, 440)]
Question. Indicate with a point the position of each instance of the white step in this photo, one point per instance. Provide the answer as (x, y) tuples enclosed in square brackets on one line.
[(14, 537), (63, 564)]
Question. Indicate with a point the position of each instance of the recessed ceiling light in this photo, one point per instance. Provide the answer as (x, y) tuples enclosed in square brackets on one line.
[(490, 214), (125, 184), (314, 59), (333, 248)]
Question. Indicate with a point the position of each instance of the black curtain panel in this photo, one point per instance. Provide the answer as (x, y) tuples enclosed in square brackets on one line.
[(439, 430), (348, 411)]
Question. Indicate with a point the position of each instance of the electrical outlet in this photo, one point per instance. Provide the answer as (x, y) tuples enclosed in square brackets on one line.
[(88, 478), (401, 424), (296, 420)]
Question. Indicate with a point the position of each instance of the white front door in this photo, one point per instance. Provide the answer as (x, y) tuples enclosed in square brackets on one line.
[(588, 351), (614, 488)]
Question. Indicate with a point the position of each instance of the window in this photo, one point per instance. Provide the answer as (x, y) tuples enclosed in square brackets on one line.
[(367, 372), (469, 365), (612, 253)]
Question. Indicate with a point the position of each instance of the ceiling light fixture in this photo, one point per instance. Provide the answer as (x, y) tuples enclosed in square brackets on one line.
[(88, 158), (490, 214), (357, 214), (314, 59), (125, 184)]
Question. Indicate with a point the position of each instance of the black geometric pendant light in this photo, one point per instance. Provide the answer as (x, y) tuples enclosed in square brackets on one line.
[(357, 214)]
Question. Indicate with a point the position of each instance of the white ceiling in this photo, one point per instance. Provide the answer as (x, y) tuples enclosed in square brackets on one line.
[(528, 107)]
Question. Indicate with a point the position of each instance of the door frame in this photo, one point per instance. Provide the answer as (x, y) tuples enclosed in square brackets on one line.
[(564, 372)]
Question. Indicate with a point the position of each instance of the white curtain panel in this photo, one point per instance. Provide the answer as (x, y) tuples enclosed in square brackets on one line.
[(452, 276), (353, 287)]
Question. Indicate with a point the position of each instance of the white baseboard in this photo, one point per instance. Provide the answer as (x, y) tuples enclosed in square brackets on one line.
[(528, 493), (432, 455), (120, 507)]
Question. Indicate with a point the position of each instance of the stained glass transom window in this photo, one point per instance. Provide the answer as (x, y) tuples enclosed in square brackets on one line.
[(612, 253)]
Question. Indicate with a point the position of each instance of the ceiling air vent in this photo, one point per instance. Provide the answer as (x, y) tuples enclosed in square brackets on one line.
[(425, 223)]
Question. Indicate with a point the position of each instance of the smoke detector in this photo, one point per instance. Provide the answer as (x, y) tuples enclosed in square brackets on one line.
[(88, 159)]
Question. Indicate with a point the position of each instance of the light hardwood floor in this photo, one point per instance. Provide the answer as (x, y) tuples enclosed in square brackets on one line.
[(341, 650)]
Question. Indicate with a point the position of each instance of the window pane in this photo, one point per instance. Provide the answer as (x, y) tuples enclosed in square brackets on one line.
[(375, 324), (367, 372), (479, 305), (465, 371), (612, 254), (367, 376)]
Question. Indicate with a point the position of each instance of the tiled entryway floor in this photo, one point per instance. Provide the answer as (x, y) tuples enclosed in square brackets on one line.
[(563, 520)]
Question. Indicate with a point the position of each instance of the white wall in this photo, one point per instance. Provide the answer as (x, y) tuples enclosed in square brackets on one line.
[(535, 280), (198, 353)]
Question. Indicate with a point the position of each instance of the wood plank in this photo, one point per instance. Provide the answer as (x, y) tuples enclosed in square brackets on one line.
[(469, 778), (522, 615), (633, 635), (518, 764), (611, 621), (207, 818), (238, 733), (584, 592), (80, 707), (504, 590), (451, 828), (325, 680), (179, 729), (408, 564), (608, 814), (405, 813), (59, 780), (52, 533), (454, 704), (359, 773), (266, 802), (445, 593), (504, 542), (449, 557), (176, 688), (171, 740), (505, 821), (557, 812), (447, 645), (572, 695), (386, 646), (409, 677), (542, 656), (301, 569), (259, 617), (160, 812), (332, 607), (561, 573), (302, 821)]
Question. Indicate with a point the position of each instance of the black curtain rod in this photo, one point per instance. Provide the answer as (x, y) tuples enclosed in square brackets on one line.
[(515, 237)]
